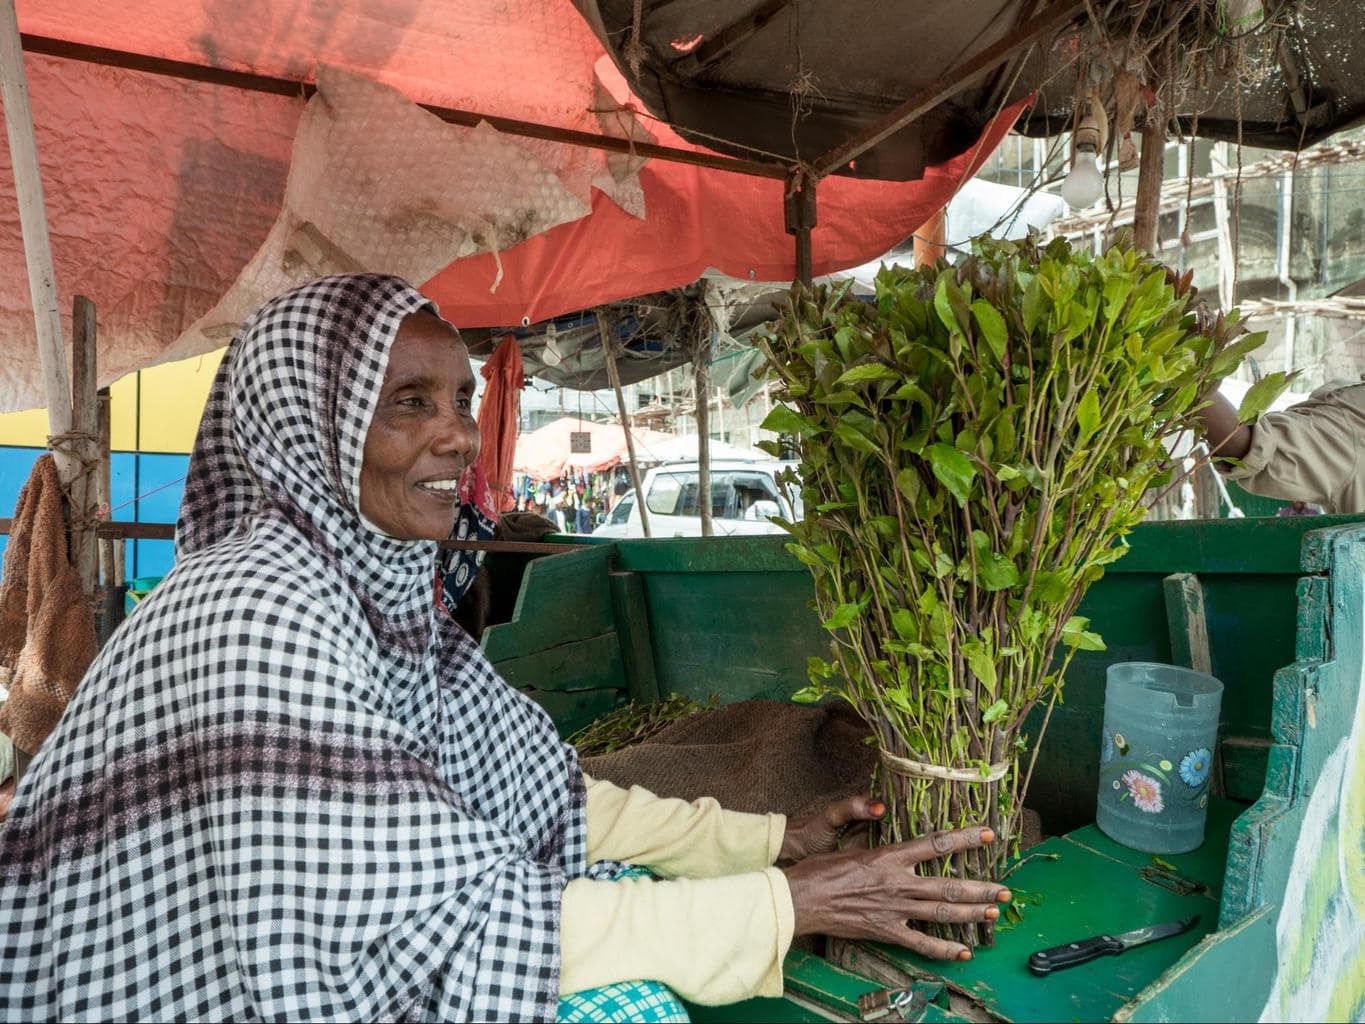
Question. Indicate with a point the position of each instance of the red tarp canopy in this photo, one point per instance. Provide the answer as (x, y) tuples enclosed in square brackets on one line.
[(160, 190)]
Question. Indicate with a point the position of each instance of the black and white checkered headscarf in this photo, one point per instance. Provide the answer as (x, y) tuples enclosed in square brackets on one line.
[(289, 788)]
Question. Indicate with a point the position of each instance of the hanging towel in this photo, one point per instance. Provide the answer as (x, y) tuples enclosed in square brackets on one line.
[(47, 627)]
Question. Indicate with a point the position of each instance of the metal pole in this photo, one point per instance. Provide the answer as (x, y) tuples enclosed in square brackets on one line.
[(609, 353), (1283, 258), (42, 279)]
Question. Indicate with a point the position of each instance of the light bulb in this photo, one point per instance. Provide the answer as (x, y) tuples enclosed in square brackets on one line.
[(550, 354), (1085, 184)]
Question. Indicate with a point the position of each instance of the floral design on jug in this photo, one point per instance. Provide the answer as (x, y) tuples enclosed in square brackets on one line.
[(1145, 791), (1195, 767)]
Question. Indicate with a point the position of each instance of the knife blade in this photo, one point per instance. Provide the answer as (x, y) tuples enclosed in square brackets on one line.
[(1084, 950)]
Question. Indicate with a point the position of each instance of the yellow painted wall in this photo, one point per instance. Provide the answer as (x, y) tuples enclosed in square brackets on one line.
[(167, 399)]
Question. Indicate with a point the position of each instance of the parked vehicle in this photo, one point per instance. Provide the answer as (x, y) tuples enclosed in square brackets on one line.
[(744, 495)]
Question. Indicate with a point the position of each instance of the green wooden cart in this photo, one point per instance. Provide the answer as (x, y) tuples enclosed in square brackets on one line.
[(1276, 608)]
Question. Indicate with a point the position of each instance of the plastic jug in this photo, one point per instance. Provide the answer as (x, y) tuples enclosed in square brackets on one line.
[(1156, 755)]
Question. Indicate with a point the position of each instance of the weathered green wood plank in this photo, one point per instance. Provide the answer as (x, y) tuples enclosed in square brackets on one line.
[(717, 554), (825, 983), (1206, 864), (816, 990), (743, 635), (1205, 984), (757, 1011), (1243, 760), (590, 664), (1228, 546), (563, 598), (572, 711), (632, 629), (1186, 623)]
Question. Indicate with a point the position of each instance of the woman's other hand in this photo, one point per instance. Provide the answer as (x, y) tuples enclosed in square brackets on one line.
[(872, 894), (822, 831)]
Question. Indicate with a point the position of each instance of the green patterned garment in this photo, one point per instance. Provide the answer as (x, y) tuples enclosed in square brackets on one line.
[(646, 1001)]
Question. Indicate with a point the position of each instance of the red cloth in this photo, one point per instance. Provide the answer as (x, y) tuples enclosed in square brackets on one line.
[(698, 218), (499, 412)]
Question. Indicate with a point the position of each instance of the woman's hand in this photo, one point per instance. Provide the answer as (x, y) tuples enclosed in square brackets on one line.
[(821, 832), (872, 894)]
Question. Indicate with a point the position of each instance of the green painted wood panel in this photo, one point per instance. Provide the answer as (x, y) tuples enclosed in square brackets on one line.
[(572, 711), (815, 990), (732, 616), (589, 664), (1205, 984), (757, 1011), (1084, 892), (562, 598), (743, 635), (631, 608), (562, 635)]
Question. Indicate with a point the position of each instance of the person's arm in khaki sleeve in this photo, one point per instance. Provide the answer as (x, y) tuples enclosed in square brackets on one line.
[(718, 940), (712, 941), (1308, 452), (676, 838)]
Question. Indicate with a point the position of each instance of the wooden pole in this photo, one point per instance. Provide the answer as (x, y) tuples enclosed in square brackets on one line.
[(103, 484), (701, 374), (299, 88), (110, 611), (931, 240), (804, 257), (800, 217), (85, 416), (613, 372), (42, 279), (1151, 167)]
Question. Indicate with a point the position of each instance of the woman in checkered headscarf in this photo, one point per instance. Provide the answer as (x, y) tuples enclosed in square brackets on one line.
[(289, 787)]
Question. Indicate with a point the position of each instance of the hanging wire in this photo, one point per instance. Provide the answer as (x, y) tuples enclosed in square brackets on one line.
[(146, 494)]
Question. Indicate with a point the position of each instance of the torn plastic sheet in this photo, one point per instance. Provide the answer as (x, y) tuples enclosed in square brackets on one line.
[(378, 184)]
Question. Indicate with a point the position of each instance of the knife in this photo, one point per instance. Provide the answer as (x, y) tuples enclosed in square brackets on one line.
[(1085, 950)]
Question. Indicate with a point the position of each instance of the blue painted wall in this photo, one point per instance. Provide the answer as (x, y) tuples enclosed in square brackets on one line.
[(159, 479)]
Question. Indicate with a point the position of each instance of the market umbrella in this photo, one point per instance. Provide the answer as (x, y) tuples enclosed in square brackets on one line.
[(498, 415)]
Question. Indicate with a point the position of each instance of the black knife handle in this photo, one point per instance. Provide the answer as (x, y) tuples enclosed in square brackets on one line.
[(1074, 953)]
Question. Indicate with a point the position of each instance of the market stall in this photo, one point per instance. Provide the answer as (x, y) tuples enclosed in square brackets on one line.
[(620, 604)]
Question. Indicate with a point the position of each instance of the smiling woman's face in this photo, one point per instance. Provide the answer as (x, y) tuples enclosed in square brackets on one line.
[(423, 434)]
